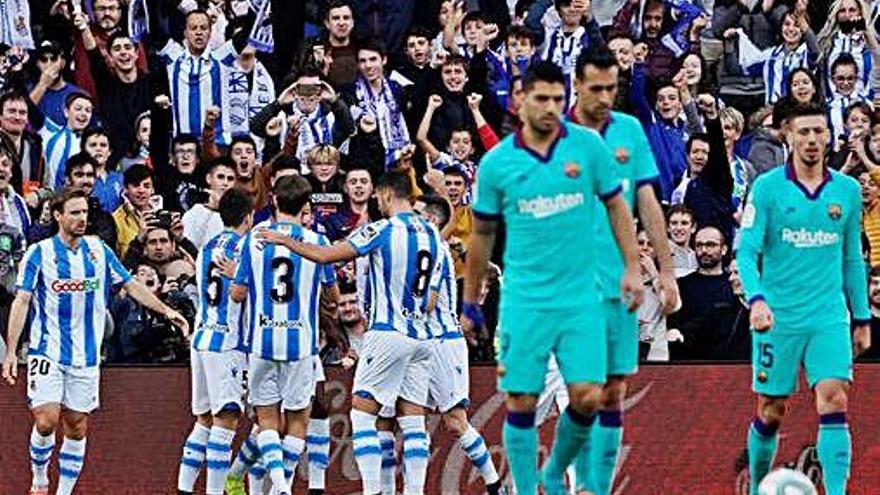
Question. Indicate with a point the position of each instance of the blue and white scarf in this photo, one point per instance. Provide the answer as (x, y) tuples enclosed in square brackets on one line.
[(384, 108), (261, 36), (138, 24), (15, 23), (316, 128), (241, 100)]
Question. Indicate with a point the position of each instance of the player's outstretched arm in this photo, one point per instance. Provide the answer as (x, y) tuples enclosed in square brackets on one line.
[(480, 244), (17, 316), (655, 225), (625, 235), (141, 294), (323, 255)]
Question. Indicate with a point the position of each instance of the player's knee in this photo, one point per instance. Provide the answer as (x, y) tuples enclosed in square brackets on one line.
[(456, 421), (75, 426), (584, 398), (613, 394), (521, 402), (772, 410), (831, 398), (45, 422)]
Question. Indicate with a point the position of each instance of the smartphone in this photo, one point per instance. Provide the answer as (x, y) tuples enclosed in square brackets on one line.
[(156, 202)]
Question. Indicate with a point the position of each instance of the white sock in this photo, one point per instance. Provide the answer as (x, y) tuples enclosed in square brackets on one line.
[(71, 458), (218, 453), (247, 456), (293, 449), (415, 453), (41, 453), (367, 452), (193, 457), (389, 462), (256, 479), (318, 447), (475, 448), (271, 453)]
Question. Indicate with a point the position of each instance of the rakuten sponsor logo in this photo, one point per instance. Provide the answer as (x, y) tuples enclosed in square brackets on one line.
[(63, 286), (543, 207), (804, 238)]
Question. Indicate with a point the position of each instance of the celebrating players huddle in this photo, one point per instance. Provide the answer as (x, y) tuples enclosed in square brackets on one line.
[(562, 186)]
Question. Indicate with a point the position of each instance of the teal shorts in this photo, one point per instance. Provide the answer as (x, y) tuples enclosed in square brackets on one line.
[(622, 328), (777, 358), (575, 336)]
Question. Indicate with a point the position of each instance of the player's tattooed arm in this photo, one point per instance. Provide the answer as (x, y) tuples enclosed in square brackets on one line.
[(17, 316), (342, 251)]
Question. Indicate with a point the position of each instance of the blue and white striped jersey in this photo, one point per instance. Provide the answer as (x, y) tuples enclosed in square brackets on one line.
[(283, 295), (444, 321), (70, 290), (59, 144), (196, 83), (404, 252), (219, 326), (775, 64)]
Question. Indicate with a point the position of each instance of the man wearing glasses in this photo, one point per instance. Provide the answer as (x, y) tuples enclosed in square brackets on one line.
[(846, 89)]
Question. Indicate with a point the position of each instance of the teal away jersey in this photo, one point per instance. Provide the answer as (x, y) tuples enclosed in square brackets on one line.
[(548, 206), (635, 167), (809, 246)]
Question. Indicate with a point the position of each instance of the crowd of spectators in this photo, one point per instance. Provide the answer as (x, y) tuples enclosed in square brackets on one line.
[(156, 107)]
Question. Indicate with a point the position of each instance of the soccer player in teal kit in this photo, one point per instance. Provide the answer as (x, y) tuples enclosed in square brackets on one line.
[(542, 181), (803, 221)]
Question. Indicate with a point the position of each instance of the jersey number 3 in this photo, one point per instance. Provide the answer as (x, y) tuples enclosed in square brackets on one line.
[(283, 271)]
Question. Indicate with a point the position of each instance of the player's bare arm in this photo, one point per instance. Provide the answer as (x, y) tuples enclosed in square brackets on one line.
[(621, 220), (17, 317), (342, 251), (142, 295), (480, 245), (655, 225)]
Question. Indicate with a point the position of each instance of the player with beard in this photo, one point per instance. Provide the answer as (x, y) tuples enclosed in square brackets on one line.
[(803, 222)]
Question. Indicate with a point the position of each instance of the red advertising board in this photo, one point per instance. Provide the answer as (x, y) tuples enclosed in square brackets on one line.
[(685, 433)]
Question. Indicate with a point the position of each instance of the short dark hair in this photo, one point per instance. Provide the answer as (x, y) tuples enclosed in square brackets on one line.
[(715, 228), (543, 71), (844, 59), (285, 162), (681, 210), (347, 287), (865, 108), (136, 174), (456, 171), (808, 109), (697, 136), (291, 193), (874, 272), (184, 138), (455, 59), (220, 161), (235, 206), (398, 182), (12, 95), (119, 33), (597, 56), (336, 4), (782, 111), (198, 11), (419, 32), (373, 45), (72, 97), (474, 16), (437, 206), (92, 132), (242, 139), (79, 160), (63, 196), (520, 32)]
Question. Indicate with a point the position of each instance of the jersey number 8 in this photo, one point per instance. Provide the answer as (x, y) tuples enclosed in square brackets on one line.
[(423, 272)]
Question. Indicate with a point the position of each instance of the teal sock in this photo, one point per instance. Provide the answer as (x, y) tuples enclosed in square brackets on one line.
[(521, 444), (601, 454), (763, 442), (572, 436), (835, 452)]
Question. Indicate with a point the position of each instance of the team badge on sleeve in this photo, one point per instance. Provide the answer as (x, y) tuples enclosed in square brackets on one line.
[(835, 211), (748, 216)]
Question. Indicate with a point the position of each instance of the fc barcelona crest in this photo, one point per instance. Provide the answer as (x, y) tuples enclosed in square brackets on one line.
[(572, 170), (834, 211), (622, 155)]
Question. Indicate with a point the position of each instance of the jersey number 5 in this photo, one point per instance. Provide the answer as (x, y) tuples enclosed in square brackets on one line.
[(283, 271), (424, 264)]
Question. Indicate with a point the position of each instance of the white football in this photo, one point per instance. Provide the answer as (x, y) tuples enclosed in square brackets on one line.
[(784, 481)]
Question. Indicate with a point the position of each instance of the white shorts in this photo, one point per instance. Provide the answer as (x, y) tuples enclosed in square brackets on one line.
[(554, 391), (319, 370), (393, 366), (449, 384), (75, 388), (218, 381), (292, 383)]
